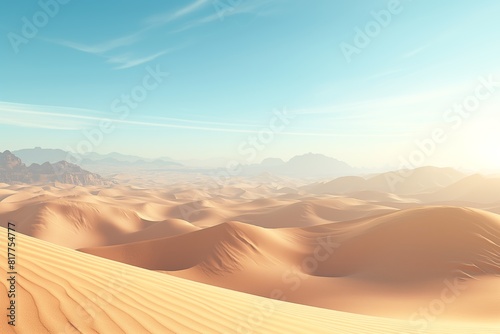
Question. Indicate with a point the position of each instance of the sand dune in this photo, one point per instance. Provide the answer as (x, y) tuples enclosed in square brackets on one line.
[(475, 188), (312, 211), (368, 252), (78, 224), (349, 266), (95, 216), (382, 197), (63, 291), (78, 217), (276, 212)]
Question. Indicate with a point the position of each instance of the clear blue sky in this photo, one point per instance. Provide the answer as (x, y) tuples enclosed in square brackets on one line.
[(231, 63)]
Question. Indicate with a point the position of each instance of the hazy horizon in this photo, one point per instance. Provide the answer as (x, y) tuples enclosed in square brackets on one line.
[(221, 162)]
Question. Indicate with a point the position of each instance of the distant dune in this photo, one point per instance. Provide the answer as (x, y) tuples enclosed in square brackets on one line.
[(97, 216), (424, 179), (475, 188)]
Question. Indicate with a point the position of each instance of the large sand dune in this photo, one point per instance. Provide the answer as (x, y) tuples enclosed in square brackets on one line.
[(63, 291), (350, 266)]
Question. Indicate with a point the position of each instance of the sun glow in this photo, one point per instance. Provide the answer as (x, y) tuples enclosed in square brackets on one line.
[(485, 143)]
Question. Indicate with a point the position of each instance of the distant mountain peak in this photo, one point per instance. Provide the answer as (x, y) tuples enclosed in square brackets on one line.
[(272, 162), (9, 160), (12, 169), (309, 165)]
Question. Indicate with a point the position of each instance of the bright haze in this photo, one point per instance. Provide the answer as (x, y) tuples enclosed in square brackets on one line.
[(371, 83)]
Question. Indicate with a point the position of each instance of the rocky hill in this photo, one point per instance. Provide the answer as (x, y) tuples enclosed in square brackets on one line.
[(12, 170)]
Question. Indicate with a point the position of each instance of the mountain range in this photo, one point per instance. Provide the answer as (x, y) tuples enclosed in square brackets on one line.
[(40, 155), (12, 169), (309, 165)]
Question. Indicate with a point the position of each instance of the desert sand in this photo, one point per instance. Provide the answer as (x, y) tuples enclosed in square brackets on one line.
[(371, 266), (65, 291), (256, 256)]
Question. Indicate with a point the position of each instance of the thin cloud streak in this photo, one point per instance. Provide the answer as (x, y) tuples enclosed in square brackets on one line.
[(127, 62), (37, 125), (179, 126), (204, 122), (241, 8), (168, 17), (124, 61), (103, 47)]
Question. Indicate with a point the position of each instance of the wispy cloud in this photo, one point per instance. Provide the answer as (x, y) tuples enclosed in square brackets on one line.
[(132, 38), (220, 12), (127, 61), (102, 47), (197, 23), (45, 116), (123, 61), (39, 124), (164, 18), (192, 121), (15, 114)]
